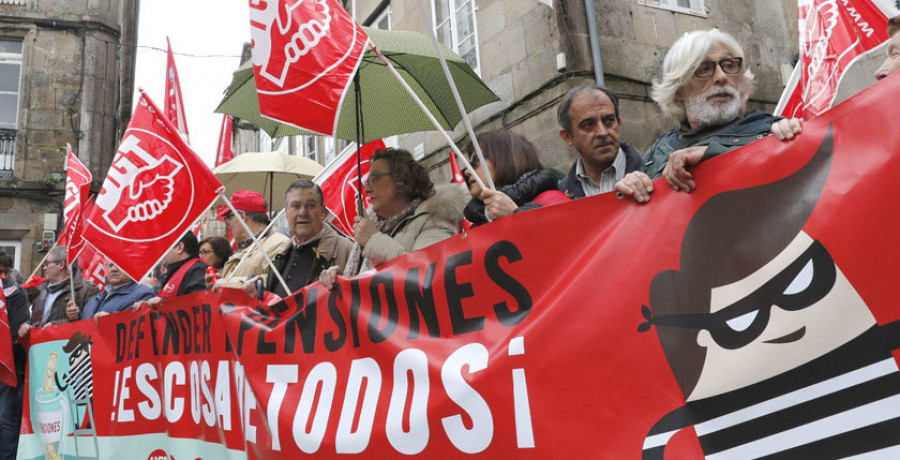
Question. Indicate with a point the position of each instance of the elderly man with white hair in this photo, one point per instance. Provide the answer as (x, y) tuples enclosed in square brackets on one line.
[(705, 86)]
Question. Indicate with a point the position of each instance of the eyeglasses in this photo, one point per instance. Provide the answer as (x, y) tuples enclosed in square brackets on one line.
[(730, 66), (807, 280), (48, 262), (204, 252), (309, 205), (372, 176)]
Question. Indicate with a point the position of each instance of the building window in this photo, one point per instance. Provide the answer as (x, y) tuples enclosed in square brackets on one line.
[(694, 7), (310, 147), (10, 77), (383, 21), (454, 25), (14, 250)]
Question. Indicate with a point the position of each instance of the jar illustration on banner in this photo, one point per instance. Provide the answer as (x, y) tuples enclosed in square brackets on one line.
[(51, 409)]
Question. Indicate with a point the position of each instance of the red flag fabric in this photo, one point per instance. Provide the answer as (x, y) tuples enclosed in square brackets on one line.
[(833, 34), (155, 189), (174, 104), (304, 54), (339, 184), (93, 266), (78, 185), (7, 361), (225, 152)]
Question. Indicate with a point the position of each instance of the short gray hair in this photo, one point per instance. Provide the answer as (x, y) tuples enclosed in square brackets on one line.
[(683, 59), (58, 254)]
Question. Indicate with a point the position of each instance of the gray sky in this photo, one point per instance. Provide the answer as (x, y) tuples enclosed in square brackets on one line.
[(195, 27)]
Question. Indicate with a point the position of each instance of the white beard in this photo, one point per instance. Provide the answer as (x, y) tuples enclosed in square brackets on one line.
[(701, 112)]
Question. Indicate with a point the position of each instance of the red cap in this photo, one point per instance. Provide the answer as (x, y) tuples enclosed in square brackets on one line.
[(243, 200), (34, 282)]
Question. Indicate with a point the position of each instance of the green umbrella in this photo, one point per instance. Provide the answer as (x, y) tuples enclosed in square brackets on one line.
[(387, 109)]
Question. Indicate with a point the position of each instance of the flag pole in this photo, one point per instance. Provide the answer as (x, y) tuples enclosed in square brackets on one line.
[(255, 242), (41, 263), (426, 13), (428, 114), (241, 262)]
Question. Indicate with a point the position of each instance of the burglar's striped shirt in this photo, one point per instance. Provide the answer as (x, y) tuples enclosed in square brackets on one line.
[(842, 404)]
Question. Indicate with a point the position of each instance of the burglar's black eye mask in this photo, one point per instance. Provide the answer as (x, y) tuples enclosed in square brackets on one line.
[(804, 282)]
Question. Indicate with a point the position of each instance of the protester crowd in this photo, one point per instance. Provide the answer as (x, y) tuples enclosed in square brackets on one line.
[(704, 86)]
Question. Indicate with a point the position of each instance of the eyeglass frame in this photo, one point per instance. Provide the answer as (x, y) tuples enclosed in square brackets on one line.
[(738, 60), (369, 180)]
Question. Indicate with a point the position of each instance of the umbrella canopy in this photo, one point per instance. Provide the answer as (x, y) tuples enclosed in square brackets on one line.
[(268, 173), (386, 107)]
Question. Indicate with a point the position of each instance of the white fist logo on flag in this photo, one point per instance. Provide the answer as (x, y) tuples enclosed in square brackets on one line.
[(139, 186), (272, 28)]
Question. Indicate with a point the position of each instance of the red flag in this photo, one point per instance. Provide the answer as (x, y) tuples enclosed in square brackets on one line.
[(833, 35), (304, 54), (174, 104), (339, 184), (225, 153), (7, 362), (459, 178), (155, 189), (78, 185), (93, 266)]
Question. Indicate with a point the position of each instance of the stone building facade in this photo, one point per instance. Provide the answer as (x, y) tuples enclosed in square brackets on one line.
[(530, 54), (66, 76)]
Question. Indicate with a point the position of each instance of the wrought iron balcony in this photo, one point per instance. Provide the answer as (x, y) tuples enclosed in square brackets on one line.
[(7, 152)]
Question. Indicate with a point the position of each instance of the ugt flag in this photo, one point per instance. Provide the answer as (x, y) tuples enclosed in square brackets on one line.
[(174, 104), (833, 35), (7, 363), (340, 185), (93, 266), (78, 185), (155, 189), (304, 54)]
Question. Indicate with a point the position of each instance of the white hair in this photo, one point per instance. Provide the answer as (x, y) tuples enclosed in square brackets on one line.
[(683, 59)]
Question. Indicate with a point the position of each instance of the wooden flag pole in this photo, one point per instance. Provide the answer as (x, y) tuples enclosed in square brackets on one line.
[(255, 242)]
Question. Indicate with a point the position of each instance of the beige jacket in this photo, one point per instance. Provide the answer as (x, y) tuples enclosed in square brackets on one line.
[(436, 219), (274, 243)]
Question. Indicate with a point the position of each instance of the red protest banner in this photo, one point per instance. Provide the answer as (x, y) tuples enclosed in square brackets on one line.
[(339, 184), (173, 102), (78, 185), (304, 53), (7, 361), (755, 316), (833, 35), (155, 189)]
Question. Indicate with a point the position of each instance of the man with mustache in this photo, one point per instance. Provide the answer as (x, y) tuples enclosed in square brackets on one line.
[(705, 86), (589, 121)]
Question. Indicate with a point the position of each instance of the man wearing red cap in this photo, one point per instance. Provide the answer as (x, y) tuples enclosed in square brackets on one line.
[(253, 210)]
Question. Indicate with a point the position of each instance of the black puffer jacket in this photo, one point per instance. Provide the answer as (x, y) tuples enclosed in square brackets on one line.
[(523, 191)]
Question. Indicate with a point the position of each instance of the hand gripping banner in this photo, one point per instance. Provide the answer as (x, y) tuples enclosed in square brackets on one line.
[(753, 317)]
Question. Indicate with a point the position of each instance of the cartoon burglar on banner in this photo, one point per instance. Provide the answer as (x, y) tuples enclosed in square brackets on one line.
[(80, 376), (775, 352)]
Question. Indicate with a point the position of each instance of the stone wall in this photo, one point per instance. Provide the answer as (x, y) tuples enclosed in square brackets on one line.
[(519, 41), (76, 85)]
